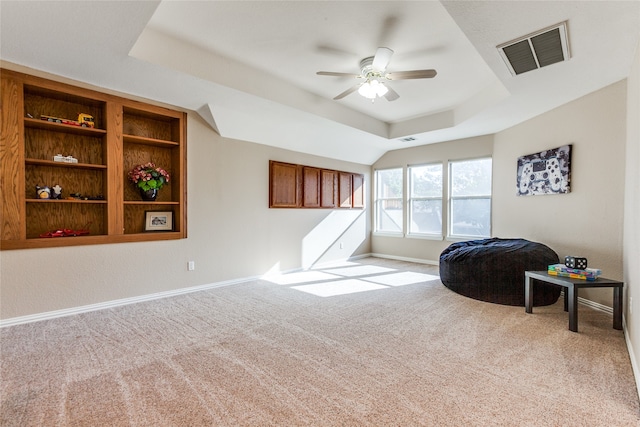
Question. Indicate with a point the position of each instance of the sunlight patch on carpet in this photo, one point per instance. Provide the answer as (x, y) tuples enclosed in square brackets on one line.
[(301, 277), (360, 270), (339, 287), (401, 279)]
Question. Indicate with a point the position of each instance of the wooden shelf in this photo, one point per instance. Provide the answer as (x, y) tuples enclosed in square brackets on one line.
[(40, 162), (51, 242), (139, 202), (132, 139), (65, 201), (127, 133), (60, 127)]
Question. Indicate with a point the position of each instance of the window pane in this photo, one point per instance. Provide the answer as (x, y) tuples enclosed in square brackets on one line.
[(389, 205), (471, 217), (471, 178), (389, 215), (389, 183), (426, 181), (426, 217)]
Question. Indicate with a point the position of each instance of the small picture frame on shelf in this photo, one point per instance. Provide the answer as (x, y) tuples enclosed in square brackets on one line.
[(158, 221)]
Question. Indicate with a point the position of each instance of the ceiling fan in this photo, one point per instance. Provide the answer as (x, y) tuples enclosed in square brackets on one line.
[(373, 72)]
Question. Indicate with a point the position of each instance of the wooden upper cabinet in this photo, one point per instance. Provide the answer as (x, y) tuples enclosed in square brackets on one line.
[(298, 186), (283, 185), (328, 189)]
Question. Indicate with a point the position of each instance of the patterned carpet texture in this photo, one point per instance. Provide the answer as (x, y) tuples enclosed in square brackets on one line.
[(372, 342)]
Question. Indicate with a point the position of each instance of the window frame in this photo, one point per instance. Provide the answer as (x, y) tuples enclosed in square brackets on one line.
[(411, 199), (377, 202), (451, 198)]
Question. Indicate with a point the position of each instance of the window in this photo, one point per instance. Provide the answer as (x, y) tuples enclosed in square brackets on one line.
[(388, 204), (425, 200), (470, 198)]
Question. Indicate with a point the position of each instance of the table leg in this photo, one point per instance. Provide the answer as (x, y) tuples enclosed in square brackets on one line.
[(573, 308), (617, 308), (566, 299), (528, 295)]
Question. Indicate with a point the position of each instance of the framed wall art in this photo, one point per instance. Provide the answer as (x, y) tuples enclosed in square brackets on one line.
[(158, 221), (546, 172)]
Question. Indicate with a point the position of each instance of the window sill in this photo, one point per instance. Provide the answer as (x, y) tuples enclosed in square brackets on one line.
[(387, 234), (424, 236)]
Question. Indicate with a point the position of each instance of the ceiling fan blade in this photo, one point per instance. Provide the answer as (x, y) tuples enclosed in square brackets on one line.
[(331, 73), (348, 91), (414, 74), (382, 58), (391, 94)]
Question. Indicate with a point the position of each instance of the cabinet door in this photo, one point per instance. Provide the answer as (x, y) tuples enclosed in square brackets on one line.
[(345, 189), (358, 191), (328, 192), (310, 187), (283, 185)]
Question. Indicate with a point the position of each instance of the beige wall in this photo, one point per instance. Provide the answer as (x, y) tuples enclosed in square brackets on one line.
[(587, 222), (631, 241), (232, 235)]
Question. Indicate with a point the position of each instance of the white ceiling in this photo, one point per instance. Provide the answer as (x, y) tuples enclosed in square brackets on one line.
[(249, 67)]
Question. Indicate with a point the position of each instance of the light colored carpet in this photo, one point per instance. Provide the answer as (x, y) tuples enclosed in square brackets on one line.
[(386, 345)]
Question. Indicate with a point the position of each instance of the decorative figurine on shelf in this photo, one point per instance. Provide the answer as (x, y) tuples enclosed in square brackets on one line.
[(64, 159), (56, 192), (43, 192), (84, 120), (149, 179), (575, 262)]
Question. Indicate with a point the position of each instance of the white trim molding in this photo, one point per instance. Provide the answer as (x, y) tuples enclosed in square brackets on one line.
[(47, 315)]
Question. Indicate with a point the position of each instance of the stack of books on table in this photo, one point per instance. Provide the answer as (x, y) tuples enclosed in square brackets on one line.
[(574, 273)]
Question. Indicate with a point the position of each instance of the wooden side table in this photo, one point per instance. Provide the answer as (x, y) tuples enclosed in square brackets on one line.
[(571, 294)]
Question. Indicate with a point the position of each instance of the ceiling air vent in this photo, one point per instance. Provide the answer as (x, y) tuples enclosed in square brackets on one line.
[(539, 49)]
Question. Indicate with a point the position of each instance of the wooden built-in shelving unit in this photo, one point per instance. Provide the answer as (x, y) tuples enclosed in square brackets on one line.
[(126, 133)]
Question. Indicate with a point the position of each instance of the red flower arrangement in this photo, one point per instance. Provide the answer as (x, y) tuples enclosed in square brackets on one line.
[(148, 176)]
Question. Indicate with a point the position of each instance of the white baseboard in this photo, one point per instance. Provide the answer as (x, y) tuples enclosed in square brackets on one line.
[(133, 300), (400, 258), (116, 303), (595, 305), (634, 366), (149, 297)]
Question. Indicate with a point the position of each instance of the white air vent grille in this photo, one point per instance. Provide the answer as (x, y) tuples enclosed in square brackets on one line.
[(407, 139), (539, 49)]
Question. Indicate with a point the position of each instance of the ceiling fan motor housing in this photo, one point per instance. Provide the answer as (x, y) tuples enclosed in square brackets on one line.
[(367, 71)]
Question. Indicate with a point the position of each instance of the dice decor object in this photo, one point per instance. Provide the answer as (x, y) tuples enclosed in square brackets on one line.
[(575, 262)]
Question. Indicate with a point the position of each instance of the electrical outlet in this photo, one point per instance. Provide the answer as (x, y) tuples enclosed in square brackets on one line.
[(191, 265)]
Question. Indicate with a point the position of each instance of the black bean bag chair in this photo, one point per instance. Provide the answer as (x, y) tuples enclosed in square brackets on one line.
[(492, 270)]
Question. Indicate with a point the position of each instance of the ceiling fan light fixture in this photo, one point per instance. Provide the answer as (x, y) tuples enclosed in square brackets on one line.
[(372, 89), (373, 73)]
